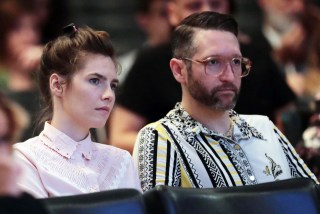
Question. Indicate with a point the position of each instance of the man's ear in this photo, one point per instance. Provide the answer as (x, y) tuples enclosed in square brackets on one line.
[(178, 69), (56, 84)]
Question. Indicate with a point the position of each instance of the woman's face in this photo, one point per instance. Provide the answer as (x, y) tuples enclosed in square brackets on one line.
[(89, 98)]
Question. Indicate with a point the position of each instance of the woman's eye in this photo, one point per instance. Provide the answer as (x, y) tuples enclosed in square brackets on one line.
[(114, 86), (94, 81)]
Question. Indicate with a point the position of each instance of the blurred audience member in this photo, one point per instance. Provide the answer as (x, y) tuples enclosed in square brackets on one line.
[(309, 148), (291, 34), (150, 90), (20, 55), (12, 199), (151, 17)]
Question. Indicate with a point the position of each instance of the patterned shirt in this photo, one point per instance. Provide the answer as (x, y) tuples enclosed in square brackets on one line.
[(56, 165), (179, 151)]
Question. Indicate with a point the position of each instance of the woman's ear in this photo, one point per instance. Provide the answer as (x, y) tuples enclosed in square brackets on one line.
[(56, 84), (178, 69)]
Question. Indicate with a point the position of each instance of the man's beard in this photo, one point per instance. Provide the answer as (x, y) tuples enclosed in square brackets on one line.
[(212, 98)]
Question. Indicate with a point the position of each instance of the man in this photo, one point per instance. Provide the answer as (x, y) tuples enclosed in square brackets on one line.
[(151, 18), (150, 90), (202, 142)]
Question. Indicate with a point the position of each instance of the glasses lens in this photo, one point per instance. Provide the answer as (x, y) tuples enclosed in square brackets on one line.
[(213, 65)]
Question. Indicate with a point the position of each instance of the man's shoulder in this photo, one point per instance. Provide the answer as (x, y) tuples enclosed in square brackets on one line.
[(254, 118), (259, 122), (156, 125)]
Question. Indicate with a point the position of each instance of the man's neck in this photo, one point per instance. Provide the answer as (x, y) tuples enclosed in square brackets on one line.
[(215, 120)]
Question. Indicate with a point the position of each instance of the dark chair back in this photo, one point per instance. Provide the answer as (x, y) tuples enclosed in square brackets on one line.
[(294, 196), (106, 202)]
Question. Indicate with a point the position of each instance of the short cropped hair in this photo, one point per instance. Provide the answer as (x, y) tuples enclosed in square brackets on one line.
[(182, 39)]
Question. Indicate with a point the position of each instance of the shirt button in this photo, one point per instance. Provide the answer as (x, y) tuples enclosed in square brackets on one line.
[(236, 147), (251, 178)]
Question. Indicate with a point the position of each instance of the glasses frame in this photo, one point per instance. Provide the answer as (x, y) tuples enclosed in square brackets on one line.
[(246, 65)]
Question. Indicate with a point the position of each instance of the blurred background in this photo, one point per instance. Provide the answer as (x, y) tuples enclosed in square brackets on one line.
[(117, 17)]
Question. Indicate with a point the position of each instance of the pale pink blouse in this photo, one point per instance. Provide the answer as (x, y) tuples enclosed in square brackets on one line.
[(55, 165)]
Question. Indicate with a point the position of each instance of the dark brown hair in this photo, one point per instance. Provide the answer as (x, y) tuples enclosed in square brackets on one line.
[(182, 39), (64, 56)]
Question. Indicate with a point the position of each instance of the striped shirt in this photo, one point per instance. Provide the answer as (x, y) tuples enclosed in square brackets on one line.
[(179, 151)]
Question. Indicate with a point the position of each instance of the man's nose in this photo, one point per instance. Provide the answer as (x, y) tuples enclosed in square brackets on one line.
[(227, 74)]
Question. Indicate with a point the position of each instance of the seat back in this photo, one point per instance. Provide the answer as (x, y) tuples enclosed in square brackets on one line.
[(106, 202), (294, 196)]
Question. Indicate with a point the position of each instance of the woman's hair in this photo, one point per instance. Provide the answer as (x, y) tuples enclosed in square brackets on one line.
[(65, 56)]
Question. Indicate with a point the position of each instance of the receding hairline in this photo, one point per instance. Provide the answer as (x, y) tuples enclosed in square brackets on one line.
[(196, 30)]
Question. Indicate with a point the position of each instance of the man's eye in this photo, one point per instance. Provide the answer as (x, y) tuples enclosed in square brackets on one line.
[(236, 61), (94, 81), (212, 61)]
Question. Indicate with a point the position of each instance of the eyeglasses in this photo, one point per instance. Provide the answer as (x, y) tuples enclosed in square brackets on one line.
[(214, 65)]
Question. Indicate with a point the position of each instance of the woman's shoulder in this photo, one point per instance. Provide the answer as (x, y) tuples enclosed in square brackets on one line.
[(111, 150), (26, 144)]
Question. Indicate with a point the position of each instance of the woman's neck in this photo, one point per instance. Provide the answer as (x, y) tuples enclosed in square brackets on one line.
[(68, 127)]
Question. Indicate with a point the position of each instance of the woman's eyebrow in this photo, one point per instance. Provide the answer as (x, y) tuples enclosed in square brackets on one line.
[(99, 76)]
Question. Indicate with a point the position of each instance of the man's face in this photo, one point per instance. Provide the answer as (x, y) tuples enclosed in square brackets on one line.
[(218, 92), (180, 9)]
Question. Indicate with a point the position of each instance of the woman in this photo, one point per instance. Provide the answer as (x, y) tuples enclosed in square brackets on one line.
[(77, 80)]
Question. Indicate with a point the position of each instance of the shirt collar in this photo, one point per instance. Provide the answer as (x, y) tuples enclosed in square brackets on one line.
[(63, 144), (190, 127)]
